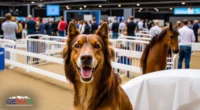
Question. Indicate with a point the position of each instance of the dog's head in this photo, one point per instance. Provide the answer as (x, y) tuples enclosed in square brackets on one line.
[(87, 57)]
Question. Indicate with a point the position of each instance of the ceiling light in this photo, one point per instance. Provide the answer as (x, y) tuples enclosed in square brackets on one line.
[(119, 5), (141, 8), (85, 6), (183, 3), (170, 8), (155, 8), (80, 8), (41, 0), (40, 5), (32, 2), (100, 6), (138, 4)]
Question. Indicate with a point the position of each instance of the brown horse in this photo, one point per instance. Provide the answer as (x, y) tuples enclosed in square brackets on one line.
[(154, 57)]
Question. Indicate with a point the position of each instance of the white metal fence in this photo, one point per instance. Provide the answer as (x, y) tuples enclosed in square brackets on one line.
[(43, 56)]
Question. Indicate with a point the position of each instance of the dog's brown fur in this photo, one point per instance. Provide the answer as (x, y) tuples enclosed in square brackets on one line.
[(104, 92)]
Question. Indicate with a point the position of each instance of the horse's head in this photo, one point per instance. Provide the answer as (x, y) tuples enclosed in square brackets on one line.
[(172, 38)]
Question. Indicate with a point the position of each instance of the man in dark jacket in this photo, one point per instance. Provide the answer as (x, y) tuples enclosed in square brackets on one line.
[(48, 28), (115, 29), (195, 29), (131, 27), (94, 26)]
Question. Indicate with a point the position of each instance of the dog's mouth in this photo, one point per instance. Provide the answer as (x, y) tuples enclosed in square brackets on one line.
[(86, 74)]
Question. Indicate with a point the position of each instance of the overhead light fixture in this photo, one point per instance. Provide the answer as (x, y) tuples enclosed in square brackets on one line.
[(141, 8), (138, 4), (40, 5), (32, 2), (41, 0), (183, 3), (100, 6), (155, 8), (85, 6), (170, 8), (80, 8), (119, 5)]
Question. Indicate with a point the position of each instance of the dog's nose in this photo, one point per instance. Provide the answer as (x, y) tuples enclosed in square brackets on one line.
[(86, 59)]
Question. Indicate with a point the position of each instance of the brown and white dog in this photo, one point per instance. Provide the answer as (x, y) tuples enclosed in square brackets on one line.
[(88, 68)]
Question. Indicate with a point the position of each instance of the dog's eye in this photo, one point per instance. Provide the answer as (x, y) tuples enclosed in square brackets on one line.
[(171, 37), (77, 46), (97, 46)]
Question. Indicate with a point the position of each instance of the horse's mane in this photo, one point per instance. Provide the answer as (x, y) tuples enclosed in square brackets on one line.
[(145, 54)]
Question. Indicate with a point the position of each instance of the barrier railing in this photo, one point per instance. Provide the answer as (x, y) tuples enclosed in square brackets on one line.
[(44, 57), (8, 44), (128, 54), (143, 35), (43, 47), (134, 38)]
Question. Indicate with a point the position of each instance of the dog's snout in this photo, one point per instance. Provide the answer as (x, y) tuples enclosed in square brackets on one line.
[(86, 59)]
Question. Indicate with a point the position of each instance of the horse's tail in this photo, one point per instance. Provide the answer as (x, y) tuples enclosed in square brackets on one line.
[(143, 60)]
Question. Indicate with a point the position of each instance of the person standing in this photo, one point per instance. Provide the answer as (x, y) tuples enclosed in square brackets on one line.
[(122, 26), (115, 29), (140, 25), (195, 29), (62, 26), (87, 28), (94, 26), (41, 28), (81, 27), (185, 41), (156, 30), (20, 29), (30, 26), (131, 27), (9, 28), (48, 28)]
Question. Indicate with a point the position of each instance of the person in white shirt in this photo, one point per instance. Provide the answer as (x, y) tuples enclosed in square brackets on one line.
[(186, 38), (140, 25), (81, 27), (122, 26), (156, 30), (9, 28)]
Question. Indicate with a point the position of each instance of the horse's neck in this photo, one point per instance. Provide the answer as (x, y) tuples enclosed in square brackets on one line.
[(162, 49)]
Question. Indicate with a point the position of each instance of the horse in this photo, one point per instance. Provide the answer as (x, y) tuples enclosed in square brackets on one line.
[(154, 57)]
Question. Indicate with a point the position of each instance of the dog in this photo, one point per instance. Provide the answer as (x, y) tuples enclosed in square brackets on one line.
[(87, 62)]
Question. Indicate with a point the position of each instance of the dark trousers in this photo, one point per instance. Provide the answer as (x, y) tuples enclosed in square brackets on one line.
[(196, 37), (61, 33), (185, 53), (115, 35)]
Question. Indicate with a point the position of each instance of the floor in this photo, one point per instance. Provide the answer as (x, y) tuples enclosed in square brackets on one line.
[(46, 94)]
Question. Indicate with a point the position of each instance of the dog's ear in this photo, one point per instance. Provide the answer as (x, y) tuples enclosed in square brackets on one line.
[(103, 31), (72, 31)]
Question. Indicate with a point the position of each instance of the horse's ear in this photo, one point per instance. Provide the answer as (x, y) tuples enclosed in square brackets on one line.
[(72, 31), (170, 26), (103, 31), (175, 27)]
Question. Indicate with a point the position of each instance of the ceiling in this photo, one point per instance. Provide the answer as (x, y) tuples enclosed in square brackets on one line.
[(107, 4)]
